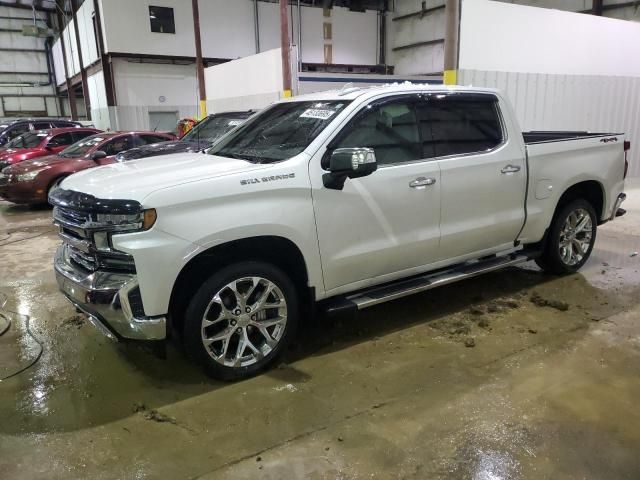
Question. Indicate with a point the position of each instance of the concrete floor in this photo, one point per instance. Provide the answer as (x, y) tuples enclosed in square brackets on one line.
[(393, 393)]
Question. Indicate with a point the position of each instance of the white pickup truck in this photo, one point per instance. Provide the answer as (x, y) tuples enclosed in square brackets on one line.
[(342, 200)]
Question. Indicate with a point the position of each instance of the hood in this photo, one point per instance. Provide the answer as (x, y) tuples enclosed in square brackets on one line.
[(14, 155), (41, 162), (136, 179), (162, 148)]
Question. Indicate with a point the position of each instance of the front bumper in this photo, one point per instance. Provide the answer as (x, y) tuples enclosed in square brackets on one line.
[(104, 296), (21, 192)]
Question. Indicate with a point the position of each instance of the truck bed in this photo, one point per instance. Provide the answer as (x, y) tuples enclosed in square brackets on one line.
[(541, 136)]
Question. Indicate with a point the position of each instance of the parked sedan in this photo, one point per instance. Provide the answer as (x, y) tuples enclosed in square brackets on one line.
[(31, 181), (41, 143), (199, 137)]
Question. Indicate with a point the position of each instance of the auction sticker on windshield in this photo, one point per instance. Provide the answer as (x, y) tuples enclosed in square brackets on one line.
[(318, 113)]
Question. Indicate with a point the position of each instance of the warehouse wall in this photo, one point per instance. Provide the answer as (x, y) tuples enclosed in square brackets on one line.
[(561, 70), (227, 30), (144, 88), (20, 92), (421, 59)]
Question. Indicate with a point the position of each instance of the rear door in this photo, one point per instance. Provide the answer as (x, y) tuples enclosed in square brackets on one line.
[(60, 142), (483, 174)]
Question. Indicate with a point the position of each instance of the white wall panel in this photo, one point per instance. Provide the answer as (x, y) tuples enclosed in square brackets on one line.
[(58, 63), (127, 28), (143, 84), (250, 82), (499, 36), (86, 31), (570, 102), (355, 36), (227, 28)]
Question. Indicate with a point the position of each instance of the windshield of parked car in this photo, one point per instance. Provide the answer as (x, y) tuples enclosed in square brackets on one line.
[(82, 147), (27, 140), (212, 128), (279, 132)]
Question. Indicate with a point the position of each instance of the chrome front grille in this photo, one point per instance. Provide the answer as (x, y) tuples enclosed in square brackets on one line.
[(77, 229), (85, 260)]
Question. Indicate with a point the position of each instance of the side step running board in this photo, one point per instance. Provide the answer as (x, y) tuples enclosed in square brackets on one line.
[(402, 288)]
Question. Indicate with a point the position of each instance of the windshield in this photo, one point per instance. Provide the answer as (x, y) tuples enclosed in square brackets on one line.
[(27, 140), (280, 132), (82, 147), (212, 128)]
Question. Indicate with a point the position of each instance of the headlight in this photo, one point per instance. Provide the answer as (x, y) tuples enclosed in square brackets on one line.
[(127, 222), (27, 177)]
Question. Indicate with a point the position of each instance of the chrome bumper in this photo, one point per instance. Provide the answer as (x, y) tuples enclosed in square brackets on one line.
[(616, 207), (104, 297)]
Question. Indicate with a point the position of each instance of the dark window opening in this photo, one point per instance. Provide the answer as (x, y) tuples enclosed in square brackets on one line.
[(161, 19), (460, 124), (390, 129)]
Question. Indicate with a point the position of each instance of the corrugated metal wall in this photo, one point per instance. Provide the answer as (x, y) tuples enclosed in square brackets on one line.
[(570, 102)]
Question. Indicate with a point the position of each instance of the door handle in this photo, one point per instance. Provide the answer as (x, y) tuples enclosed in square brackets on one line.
[(510, 169), (422, 182)]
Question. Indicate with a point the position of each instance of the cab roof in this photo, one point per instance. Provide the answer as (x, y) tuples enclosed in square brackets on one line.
[(352, 92)]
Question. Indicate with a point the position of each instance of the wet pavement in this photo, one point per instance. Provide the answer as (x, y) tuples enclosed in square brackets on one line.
[(476, 380)]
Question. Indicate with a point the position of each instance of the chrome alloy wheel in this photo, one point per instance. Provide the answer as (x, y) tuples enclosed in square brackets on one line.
[(244, 321), (575, 237)]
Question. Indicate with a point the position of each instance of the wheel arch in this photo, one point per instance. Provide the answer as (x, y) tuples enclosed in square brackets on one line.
[(277, 250), (590, 190)]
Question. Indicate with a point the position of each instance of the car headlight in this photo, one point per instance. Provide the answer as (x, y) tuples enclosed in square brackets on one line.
[(127, 222), (27, 177)]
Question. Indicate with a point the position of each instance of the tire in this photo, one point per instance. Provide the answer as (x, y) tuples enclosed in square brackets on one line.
[(216, 312), (566, 250)]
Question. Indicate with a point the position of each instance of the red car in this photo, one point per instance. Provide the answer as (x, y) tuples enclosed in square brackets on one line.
[(31, 181), (40, 143)]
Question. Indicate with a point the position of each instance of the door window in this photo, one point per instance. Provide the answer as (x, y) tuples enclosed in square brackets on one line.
[(148, 139), (118, 145), (390, 128), (60, 140), (17, 130), (459, 124), (80, 135)]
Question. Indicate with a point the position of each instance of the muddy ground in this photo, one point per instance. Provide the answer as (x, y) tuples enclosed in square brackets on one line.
[(512, 375)]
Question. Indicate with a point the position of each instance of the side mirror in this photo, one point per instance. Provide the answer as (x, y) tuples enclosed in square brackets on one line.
[(98, 155), (349, 163)]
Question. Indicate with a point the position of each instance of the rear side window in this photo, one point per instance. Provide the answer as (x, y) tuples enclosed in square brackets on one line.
[(18, 130), (61, 123), (117, 145), (41, 125), (391, 129), (60, 140), (459, 124), (80, 135), (147, 139)]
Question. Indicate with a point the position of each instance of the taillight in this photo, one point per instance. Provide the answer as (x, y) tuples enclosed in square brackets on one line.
[(627, 146)]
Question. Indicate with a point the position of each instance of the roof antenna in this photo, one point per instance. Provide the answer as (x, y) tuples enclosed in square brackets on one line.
[(346, 86)]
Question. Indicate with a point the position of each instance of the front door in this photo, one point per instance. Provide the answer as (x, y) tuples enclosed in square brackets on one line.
[(385, 225), (483, 175)]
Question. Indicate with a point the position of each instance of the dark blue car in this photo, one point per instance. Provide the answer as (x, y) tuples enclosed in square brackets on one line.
[(199, 137)]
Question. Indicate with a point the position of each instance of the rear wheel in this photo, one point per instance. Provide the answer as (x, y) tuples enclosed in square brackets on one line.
[(571, 238), (241, 319)]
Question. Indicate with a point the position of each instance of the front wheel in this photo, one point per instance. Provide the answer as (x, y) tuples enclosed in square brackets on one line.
[(241, 319), (571, 238)]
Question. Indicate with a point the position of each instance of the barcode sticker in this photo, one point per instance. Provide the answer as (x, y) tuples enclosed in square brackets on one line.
[(317, 113)]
